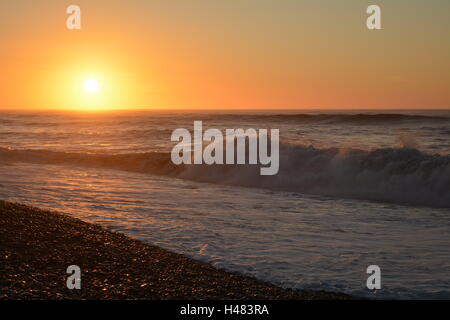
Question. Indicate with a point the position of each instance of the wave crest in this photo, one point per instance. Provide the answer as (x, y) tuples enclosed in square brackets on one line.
[(397, 175)]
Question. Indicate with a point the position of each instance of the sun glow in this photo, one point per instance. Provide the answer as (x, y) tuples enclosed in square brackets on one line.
[(91, 85), (90, 90)]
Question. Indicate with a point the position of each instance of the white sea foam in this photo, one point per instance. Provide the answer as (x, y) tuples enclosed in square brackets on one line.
[(397, 175)]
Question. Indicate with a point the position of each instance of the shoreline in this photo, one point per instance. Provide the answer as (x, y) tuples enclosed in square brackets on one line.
[(37, 246)]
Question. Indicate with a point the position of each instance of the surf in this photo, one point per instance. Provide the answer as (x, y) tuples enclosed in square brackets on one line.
[(393, 175)]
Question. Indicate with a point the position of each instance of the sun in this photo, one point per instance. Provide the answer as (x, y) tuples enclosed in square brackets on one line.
[(91, 85)]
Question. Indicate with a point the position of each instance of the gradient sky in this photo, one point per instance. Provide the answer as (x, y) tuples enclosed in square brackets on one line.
[(225, 54)]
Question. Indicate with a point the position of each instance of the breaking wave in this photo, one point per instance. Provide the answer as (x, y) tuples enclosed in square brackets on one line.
[(397, 175)]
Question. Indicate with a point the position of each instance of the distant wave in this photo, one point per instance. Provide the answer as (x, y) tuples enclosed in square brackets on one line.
[(340, 118), (293, 118), (397, 175)]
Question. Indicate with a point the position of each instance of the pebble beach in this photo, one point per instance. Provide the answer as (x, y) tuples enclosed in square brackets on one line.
[(37, 246)]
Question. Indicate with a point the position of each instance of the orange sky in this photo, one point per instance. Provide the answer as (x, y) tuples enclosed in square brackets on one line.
[(231, 54)]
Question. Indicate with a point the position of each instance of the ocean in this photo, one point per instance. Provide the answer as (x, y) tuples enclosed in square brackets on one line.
[(355, 188)]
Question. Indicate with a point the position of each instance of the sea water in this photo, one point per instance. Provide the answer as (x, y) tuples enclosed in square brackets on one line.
[(354, 189)]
